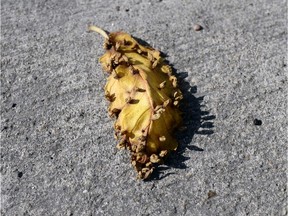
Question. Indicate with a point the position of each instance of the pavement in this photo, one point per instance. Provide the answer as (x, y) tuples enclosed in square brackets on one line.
[(58, 154)]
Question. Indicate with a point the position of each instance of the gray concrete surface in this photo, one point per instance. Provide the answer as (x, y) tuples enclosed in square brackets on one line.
[(58, 154)]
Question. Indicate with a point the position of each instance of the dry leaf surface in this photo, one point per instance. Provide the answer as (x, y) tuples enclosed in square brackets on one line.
[(143, 97)]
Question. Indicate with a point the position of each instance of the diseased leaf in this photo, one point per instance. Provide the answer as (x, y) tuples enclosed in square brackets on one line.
[(143, 97)]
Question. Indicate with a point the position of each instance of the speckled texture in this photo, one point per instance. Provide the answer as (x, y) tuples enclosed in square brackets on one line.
[(58, 154)]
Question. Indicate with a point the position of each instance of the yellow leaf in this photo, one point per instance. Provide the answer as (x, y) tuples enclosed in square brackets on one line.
[(143, 97)]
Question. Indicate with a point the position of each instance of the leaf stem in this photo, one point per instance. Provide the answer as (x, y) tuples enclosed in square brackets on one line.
[(98, 30)]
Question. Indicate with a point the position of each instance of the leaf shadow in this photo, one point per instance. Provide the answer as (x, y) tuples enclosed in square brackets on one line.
[(195, 120)]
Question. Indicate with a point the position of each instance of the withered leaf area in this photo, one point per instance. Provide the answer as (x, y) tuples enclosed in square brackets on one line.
[(144, 98)]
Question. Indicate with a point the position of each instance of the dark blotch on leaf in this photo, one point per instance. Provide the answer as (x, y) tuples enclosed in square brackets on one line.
[(134, 101)]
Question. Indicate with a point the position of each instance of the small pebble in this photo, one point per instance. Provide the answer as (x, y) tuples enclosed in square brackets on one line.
[(20, 174), (211, 194), (197, 27), (257, 122)]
